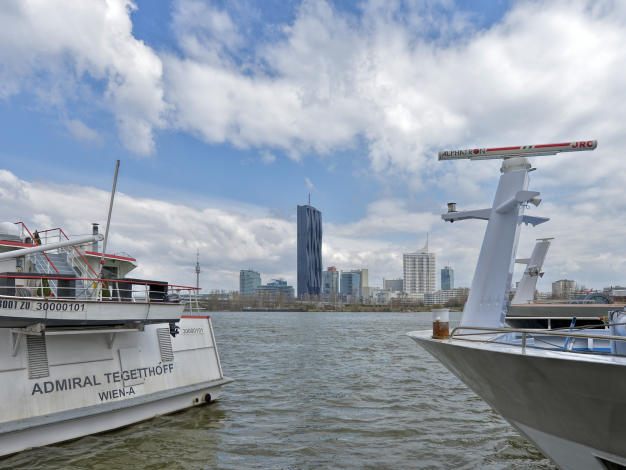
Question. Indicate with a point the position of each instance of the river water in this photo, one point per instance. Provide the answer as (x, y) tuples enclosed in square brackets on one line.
[(314, 390)]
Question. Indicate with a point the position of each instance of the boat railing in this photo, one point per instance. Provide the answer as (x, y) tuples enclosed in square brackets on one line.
[(43, 287), (533, 338), (74, 254), (43, 262), (52, 235)]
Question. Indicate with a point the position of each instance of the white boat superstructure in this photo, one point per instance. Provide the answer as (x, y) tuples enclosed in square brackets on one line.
[(87, 348), (48, 278), (564, 389)]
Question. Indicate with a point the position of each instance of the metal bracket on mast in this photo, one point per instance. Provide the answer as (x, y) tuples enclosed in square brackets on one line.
[(480, 214), (532, 220), (521, 197)]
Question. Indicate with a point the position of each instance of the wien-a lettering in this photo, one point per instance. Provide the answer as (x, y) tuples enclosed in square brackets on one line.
[(116, 393)]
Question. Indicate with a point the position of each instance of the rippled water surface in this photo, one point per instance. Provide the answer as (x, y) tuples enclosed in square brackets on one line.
[(314, 390)]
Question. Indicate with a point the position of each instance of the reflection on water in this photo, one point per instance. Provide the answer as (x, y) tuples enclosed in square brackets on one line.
[(314, 390)]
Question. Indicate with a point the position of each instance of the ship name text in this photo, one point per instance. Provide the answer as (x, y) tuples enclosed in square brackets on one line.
[(116, 377)]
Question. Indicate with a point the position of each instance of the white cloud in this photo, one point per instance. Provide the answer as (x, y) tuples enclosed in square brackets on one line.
[(204, 32), (268, 157), (548, 70), (388, 216), (162, 235), (50, 47), (403, 79), (81, 131), (309, 184)]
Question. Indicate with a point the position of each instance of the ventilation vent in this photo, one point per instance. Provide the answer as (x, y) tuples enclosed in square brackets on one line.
[(37, 357), (165, 344)]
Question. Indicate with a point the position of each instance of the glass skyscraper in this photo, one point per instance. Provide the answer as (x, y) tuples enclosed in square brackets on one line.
[(248, 281), (309, 251), (447, 278), (330, 283), (351, 284)]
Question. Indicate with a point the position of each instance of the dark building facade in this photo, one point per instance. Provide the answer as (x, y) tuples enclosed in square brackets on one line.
[(309, 251), (447, 278)]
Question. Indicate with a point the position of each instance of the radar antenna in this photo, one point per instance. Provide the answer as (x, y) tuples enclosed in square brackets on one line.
[(517, 151), (488, 298)]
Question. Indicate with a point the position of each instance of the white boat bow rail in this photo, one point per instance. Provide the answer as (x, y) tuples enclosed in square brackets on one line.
[(584, 340)]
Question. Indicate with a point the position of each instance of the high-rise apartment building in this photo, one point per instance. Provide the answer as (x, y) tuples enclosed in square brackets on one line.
[(309, 252), (365, 285), (330, 283), (248, 281), (447, 278), (419, 271)]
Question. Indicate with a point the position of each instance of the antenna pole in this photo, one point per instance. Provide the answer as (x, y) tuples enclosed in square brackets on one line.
[(198, 269), (106, 232)]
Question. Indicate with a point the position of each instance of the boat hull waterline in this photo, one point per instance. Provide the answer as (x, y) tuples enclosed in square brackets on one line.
[(570, 406)]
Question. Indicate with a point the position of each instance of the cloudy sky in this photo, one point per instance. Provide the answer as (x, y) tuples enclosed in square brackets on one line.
[(225, 115)]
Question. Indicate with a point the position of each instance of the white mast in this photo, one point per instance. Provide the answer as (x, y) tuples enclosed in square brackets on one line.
[(487, 302), (106, 232)]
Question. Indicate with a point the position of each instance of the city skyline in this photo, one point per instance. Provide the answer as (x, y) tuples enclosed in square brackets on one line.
[(220, 172)]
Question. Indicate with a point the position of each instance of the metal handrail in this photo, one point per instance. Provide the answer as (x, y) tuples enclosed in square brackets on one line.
[(32, 237), (534, 334), (531, 331), (113, 289)]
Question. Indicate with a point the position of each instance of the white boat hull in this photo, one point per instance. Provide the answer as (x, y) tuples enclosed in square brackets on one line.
[(73, 385), (571, 405), (104, 420)]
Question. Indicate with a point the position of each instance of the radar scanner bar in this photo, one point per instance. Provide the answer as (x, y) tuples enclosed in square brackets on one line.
[(519, 151)]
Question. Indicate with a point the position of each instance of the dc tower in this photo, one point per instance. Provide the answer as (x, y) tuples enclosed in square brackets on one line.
[(309, 251)]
